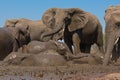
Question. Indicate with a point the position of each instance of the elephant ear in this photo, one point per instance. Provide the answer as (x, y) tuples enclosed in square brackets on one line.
[(21, 30), (10, 23), (48, 17), (78, 21)]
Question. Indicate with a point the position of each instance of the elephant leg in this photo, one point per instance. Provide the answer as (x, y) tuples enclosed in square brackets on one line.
[(69, 44), (100, 46), (100, 39), (15, 46), (82, 47), (114, 53), (87, 49), (76, 43), (118, 49)]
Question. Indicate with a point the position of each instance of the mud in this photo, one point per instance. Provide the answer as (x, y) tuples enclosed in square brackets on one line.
[(69, 72), (82, 69)]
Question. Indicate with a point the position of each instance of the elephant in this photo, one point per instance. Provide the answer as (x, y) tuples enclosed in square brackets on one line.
[(37, 47), (95, 57), (112, 32), (48, 58), (81, 29), (36, 28), (12, 39)]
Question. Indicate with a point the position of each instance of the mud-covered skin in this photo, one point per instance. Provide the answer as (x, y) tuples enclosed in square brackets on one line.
[(52, 57), (95, 56), (37, 47), (69, 72), (47, 58)]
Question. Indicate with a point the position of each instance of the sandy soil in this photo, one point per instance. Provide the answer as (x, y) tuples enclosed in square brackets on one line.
[(70, 72)]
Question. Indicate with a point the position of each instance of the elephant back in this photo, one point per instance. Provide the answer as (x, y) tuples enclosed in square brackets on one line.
[(48, 58)]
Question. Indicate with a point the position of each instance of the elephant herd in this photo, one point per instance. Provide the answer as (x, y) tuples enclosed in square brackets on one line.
[(34, 40)]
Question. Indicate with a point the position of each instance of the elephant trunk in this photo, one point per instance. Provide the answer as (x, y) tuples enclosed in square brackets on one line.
[(54, 31), (109, 47)]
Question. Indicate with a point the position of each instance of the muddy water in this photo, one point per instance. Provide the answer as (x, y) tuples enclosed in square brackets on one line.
[(73, 72)]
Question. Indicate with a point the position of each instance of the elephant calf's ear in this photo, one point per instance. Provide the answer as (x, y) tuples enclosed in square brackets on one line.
[(78, 21)]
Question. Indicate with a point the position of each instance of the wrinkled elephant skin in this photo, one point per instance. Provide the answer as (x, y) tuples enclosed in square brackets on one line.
[(48, 58), (37, 47)]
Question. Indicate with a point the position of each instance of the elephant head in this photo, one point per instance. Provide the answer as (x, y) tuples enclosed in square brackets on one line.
[(112, 19), (22, 34), (11, 23), (60, 18)]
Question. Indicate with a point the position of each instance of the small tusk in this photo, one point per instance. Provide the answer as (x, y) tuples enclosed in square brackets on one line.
[(110, 56), (13, 56), (101, 57), (116, 41), (63, 29)]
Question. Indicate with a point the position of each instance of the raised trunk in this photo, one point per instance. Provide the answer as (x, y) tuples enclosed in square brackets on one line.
[(109, 47)]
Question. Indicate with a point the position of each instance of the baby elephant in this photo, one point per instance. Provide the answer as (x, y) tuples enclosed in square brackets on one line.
[(37, 47), (12, 39), (95, 56), (48, 58)]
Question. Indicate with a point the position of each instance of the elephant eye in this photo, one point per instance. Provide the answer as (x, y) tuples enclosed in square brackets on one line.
[(67, 18), (118, 24)]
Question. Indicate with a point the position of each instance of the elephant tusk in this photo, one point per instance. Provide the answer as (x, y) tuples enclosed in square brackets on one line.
[(116, 40), (63, 29), (101, 57), (13, 56)]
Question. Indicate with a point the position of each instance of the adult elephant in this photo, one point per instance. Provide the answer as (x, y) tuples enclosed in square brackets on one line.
[(81, 29), (112, 30), (36, 28), (12, 39)]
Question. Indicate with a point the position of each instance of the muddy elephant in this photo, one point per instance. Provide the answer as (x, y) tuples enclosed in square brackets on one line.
[(50, 57), (36, 28), (37, 47), (95, 57), (47, 58), (112, 31), (81, 29), (12, 39)]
